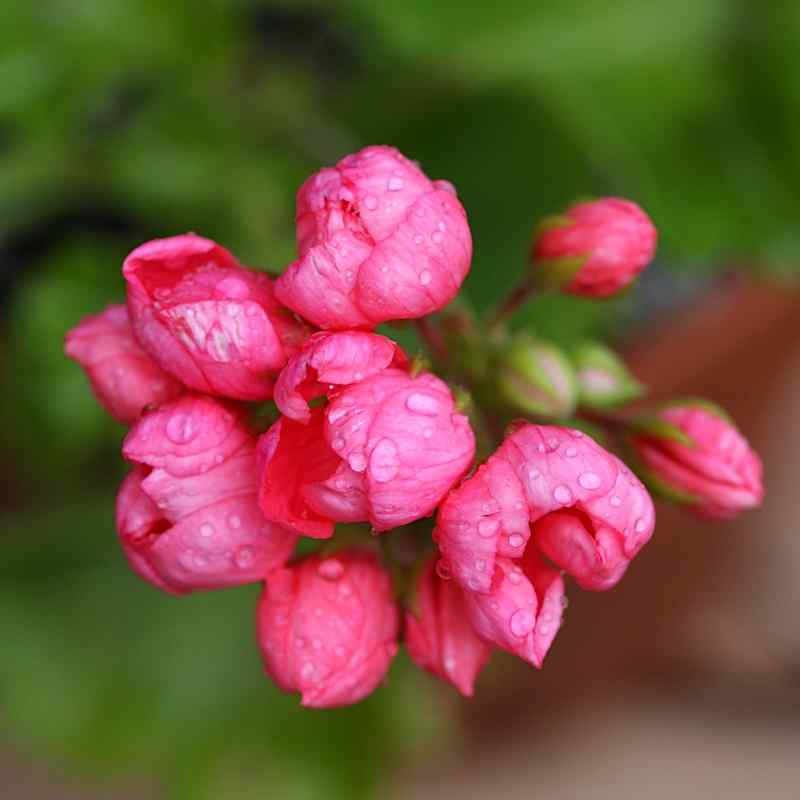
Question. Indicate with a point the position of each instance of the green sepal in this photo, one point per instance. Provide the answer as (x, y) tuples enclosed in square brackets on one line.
[(655, 427), (557, 273), (596, 356)]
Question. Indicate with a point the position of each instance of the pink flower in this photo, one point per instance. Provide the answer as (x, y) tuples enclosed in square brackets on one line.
[(123, 377), (385, 450), (522, 611), (377, 241), (208, 321), (596, 248), (327, 627), (693, 453), (187, 514), (438, 634), (330, 360)]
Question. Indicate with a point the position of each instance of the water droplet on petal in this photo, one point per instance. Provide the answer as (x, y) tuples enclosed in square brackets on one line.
[(437, 237), (521, 623), (562, 494), (395, 184), (640, 526), (370, 202), (615, 501), (443, 570), (180, 428), (331, 569), (307, 670), (488, 527), (357, 461), (589, 480), (234, 521), (384, 463), (571, 452), (427, 433), (516, 540), (419, 239), (245, 557), (338, 443), (206, 530), (424, 404)]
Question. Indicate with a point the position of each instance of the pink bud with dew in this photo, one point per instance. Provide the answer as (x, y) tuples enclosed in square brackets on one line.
[(124, 379), (327, 627), (208, 321), (329, 361), (377, 240), (439, 636), (385, 450), (693, 453), (596, 248), (188, 515)]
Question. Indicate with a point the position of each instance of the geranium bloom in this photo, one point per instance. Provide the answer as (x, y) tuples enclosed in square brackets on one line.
[(327, 627), (596, 248), (693, 452), (210, 322), (187, 514), (551, 490), (439, 636), (384, 450), (328, 361), (123, 377), (377, 240)]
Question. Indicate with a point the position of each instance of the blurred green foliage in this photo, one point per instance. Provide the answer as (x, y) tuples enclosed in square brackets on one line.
[(125, 120)]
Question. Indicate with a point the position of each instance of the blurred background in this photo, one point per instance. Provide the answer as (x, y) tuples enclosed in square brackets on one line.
[(126, 120)]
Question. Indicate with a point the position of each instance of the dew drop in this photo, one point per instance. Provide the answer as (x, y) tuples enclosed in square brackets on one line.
[(245, 558), (521, 623), (370, 202), (443, 570), (640, 526), (357, 461), (425, 277), (516, 540), (419, 239), (437, 237), (331, 569), (395, 184), (206, 530), (571, 452), (424, 404), (307, 670), (615, 501), (488, 527), (480, 565), (338, 443), (384, 463), (180, 428), (427, 433), (234, 521), (589, 480), (562, 494)]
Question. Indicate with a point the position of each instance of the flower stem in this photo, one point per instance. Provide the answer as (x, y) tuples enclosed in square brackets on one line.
[(519, 295)]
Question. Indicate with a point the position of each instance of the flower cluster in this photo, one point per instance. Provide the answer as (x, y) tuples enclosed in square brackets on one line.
[(264, 412)]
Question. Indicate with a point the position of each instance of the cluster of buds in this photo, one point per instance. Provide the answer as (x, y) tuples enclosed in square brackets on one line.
[(262, 412)]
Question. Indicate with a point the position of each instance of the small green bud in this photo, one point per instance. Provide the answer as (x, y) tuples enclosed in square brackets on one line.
[(603, 379), (535, 377)]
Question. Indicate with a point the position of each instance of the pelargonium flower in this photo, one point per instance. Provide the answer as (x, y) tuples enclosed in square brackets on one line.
[(377, 240), (596, 248), (328, 626), (693, 453), (329, 361), (124, 379), (439, 636), (385, 450), (188, 515), (208, 321), (549, 492)]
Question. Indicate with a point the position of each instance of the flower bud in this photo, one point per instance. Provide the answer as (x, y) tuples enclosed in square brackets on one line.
[(187, 515), (438, 633), (553, 490), (595, 249), (537, 378), (385, 450), (123, 377), (692, 453), (327, 627), (377, 240), (208, 321), (603, 379)]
